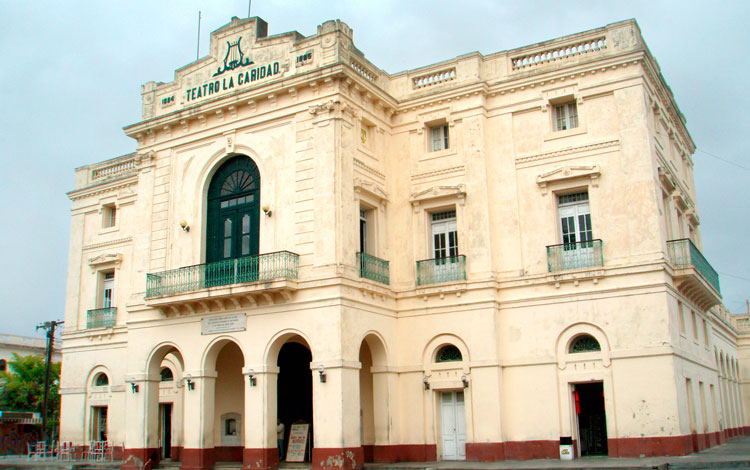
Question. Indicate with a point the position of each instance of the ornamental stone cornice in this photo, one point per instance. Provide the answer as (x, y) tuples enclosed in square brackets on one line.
[(119, 241), (457, 192), (370, 189), (566, 151), (360, 164), (104, 260), (568, 173)]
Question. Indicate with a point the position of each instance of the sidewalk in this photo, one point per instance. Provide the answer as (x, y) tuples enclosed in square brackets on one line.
[(733, 454)]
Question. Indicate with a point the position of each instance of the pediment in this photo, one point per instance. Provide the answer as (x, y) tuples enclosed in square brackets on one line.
[(457, 192), (566, 173), (370, 189), (105, 259)]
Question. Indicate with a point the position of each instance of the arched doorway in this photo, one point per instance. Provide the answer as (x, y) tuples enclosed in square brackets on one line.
[(232, 226), (164, 404), (294, 391), (229, 404), (373, 398)]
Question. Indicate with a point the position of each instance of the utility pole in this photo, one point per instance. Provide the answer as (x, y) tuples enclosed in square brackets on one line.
[(49, 326)]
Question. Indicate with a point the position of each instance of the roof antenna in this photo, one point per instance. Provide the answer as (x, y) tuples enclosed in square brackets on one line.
[(248, 7), (198, 47)]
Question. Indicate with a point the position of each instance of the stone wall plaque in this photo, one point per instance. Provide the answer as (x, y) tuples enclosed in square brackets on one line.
[(223, 324)]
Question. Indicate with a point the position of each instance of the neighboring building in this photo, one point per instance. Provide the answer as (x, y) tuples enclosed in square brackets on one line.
[(25, 346), (478, 259)]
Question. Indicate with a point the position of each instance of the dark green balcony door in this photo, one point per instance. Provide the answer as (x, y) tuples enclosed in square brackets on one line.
[(233, 218)]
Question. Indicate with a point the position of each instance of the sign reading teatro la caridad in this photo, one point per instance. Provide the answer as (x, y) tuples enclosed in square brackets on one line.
[(226, 78)]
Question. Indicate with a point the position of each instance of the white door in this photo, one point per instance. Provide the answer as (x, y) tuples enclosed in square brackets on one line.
[(445, 246), (575, 231), (453, 425)]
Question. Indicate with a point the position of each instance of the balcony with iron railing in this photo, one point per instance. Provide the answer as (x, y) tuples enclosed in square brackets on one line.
[(579, 255), (694, 275), (373, 268), (252, 278), (101, 317), (437, 270)]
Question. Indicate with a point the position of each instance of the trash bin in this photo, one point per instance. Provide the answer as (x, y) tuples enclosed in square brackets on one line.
[(566, 448)]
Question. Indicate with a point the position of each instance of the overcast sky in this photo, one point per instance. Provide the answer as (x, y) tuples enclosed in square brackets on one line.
[(71, 74)]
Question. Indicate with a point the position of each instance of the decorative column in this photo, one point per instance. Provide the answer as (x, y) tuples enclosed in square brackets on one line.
[(261, 451), (336, 417), (141, 422), (198, 427)]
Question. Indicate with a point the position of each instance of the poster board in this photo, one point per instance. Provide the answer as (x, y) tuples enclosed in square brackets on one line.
[(298, 435)]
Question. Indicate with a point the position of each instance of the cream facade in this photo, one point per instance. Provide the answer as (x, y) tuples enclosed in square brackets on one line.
[(492, 257)]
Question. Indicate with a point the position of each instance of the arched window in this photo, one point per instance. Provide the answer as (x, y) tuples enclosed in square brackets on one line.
[(448, 353), (233, 210), (101, 380), (3, 365), (166, 375), (584, 343)]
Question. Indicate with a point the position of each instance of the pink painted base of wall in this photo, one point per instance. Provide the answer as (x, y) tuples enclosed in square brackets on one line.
[(140, 459), (404, 453), (346, 458), (260, 459)]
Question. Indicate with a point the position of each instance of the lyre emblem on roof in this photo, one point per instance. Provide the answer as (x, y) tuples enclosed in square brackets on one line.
[(234, 58)]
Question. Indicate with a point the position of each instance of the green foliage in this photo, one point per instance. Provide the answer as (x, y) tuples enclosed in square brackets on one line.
[(24, 386)]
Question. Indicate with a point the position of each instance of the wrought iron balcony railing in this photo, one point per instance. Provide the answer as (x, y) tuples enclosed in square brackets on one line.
[(101, 317), (683, 253), (265, 267), (373, 268), (432, 271), (577, 255)]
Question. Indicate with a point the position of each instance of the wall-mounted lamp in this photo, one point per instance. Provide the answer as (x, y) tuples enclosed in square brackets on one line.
[(133, 385), (184, 225), (465, 381), (267, 210), (426, 383), (251, 377), (322, 373), (189, 382)]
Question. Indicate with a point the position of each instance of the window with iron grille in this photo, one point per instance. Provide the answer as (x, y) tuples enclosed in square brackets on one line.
[(584, 343), (448, 353)]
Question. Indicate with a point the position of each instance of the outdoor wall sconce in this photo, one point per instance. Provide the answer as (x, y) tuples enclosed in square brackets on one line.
[(251, 377), (322, 372), (189, 382), (184, 225), (426, 382), (133, 385), (465, 381), (267, 210)]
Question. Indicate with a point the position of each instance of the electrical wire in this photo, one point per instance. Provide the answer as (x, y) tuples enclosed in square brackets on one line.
[(723, 159)]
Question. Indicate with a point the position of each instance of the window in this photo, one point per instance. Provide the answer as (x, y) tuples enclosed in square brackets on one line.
[(576, 232), (101, 380), (566, 116), (448, 353), (108, 286), (362, 231), (109, 216), (444, 235), (439, 137), (584, 343), (230, 427), (166, 375), (705, 331), (3, 365)]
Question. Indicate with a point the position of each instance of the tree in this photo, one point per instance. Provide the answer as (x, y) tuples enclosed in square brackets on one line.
[(24, 386)]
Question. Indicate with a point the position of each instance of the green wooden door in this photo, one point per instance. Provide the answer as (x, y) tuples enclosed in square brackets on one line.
[(232, 231)]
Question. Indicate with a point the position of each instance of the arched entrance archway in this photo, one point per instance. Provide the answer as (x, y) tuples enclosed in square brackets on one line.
[(294, 391), (226, 358), (373, 397)]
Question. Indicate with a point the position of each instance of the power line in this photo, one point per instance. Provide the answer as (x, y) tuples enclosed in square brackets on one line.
[(724, 160), (732, 275)]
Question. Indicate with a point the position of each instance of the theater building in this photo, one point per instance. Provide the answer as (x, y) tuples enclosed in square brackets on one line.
[(478, 259)]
